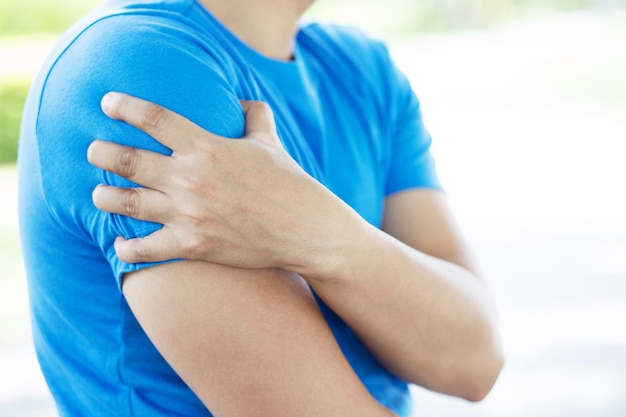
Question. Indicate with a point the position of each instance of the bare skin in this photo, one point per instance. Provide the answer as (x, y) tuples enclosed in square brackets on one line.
[(411, 294), (410, 291), (247, 342), (272, 27)]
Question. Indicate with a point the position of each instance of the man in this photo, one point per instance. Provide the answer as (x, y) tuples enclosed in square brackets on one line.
[(318, 268)]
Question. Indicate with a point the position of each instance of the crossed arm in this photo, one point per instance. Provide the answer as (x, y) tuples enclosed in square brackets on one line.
[(247, 342), (410, 292)]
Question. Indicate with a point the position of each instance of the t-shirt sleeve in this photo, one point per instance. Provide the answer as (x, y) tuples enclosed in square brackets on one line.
[(411, 164), (146, 56)]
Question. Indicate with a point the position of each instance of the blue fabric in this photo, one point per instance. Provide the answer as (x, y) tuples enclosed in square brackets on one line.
[(342, 109)]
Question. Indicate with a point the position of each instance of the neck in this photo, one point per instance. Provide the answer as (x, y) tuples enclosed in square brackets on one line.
[(268, 26)]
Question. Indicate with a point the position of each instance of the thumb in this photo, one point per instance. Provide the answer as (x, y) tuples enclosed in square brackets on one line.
[(260, 121)]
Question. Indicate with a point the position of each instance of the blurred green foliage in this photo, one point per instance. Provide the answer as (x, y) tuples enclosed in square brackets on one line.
[(12, 96), (44, 16), (394, 17), (18, 17)]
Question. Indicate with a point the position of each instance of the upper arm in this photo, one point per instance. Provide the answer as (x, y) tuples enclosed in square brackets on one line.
[(247, 342), (149, 56), (422, 219)]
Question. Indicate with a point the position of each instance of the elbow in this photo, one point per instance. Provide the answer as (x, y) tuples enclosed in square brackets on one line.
[(484, 360), (473, 370), (485, 373), (470, 375)]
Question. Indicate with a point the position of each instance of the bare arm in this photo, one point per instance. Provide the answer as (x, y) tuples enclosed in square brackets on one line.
[(414, 297), (410, 292), (247, 342)]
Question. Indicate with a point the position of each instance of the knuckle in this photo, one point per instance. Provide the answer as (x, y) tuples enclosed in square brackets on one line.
[(194, 246), (265, 108), (127, 162), (204, 182), (218, 153), (193, 184), (153, 117), (140, 253), (203, 144), (131, 202), (197, 219)]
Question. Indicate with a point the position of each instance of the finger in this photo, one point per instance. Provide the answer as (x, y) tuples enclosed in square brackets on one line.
[(260, 122), (138, 203), (150, 169), (159, 246), (167, 127)]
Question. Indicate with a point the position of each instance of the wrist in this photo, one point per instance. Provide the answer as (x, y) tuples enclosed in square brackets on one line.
[(346, 247), (325, 238)]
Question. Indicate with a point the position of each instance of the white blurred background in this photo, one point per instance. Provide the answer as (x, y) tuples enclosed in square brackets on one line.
[(527, 107)]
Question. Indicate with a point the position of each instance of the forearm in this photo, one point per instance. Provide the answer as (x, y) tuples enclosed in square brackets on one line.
[(428, 320)]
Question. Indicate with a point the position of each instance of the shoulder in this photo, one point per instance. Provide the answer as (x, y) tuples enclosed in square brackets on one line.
[(149, 39), (156, 54), (350, 40), (347, 46), (362, 63)]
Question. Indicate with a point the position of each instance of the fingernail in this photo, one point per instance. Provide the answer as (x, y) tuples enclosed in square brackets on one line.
[(91, 153), (96, 191), (118, 241), (107, 102)]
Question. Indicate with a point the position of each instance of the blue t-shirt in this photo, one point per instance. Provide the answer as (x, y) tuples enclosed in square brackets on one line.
[(342, 109)]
